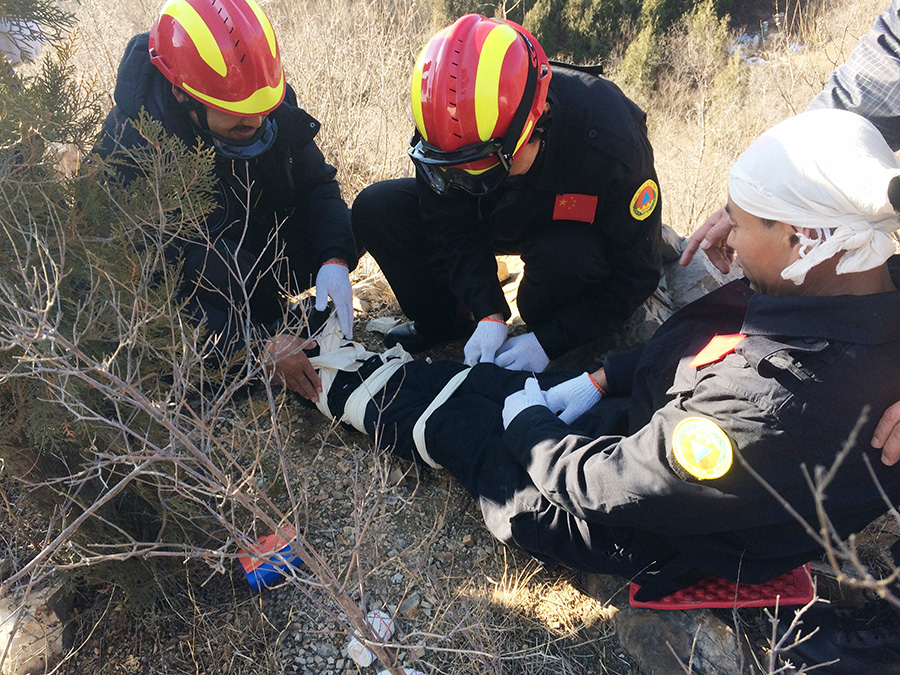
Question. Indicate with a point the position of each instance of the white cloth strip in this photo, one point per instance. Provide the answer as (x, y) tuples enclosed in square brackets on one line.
[(418, 433), (355, 408)]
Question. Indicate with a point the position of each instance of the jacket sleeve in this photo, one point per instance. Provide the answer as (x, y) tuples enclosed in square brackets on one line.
[(321, 209), (632, 251), (635, 481), (452, 222), (868, 84)]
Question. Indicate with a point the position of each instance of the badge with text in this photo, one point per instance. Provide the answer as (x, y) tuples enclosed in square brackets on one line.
[(701, 448), (575, 207), (719, 347), (645, 200)]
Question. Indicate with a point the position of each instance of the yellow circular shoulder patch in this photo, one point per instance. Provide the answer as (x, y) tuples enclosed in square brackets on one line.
[(701, 448), (645, 200)]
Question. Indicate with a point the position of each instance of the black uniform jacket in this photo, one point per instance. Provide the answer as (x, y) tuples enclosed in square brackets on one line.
[(293, 189), (596, 146), (788, 398)]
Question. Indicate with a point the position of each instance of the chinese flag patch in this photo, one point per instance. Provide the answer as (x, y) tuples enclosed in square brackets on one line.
[(575, 207), (717, 348)]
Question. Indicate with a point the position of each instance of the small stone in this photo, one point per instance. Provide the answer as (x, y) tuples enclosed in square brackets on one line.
[(410, 606), (397, 477), (468, 541)]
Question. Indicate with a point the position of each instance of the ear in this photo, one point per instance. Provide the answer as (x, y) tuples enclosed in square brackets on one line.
[(179, 95)]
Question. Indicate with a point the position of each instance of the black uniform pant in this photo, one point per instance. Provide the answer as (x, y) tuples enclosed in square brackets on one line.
[(387, 222), (465, 436)]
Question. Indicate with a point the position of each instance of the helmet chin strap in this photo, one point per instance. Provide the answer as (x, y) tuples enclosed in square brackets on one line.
[(192, 105)]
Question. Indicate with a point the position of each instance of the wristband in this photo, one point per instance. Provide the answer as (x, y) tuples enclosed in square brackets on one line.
[(597, 385), (487, 318)]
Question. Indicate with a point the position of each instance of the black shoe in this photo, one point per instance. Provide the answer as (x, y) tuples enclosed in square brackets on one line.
[(861, 640), (412, 339)]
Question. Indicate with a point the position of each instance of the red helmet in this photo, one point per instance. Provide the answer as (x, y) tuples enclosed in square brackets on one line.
[(222, 53), (478, 89)]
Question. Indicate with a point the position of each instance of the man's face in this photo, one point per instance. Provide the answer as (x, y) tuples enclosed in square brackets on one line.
[(226, 125), (233, 127), (763, 250)]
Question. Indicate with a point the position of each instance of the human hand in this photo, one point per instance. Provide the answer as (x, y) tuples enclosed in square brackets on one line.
[(333, 280), (489, 334), (286, 362), (522, 352), (887, 435), (712, 238), (572, 398), (515, 403)]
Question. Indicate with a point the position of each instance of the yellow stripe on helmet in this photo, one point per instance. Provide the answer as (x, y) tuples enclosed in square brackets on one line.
[(417, 95), (266, 26), (487, 78), (526, 134), (259, 102), (200, 33)]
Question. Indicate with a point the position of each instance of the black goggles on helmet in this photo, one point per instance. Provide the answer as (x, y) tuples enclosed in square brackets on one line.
[(469, 168), (460, 168)]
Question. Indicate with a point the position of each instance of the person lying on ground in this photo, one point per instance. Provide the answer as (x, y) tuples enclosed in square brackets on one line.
[(659, 466)]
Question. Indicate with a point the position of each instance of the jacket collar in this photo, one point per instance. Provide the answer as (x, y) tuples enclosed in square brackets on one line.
[(860, 319)]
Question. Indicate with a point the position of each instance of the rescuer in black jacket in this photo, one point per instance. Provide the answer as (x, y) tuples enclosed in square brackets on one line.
[(556, 169), (231, 95)]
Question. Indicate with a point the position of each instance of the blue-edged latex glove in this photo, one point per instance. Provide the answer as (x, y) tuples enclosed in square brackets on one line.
[(522, 352), (333, 280), (572, 398), (489, 335), (531, 395)]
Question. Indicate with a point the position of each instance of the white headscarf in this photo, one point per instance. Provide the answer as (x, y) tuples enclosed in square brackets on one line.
[(827, 170)]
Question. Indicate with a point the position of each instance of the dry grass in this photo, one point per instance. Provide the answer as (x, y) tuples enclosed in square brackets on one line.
[(712, 109)]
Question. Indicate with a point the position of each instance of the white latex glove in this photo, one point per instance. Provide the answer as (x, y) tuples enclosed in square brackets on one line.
[(485, 341), (531, 395), (333, 280), (572, 398), (522, 352)]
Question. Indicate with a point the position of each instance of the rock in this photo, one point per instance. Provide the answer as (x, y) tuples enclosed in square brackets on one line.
[(665, 642), (326, 650), (398, 477), (382, 324), (678, 286), (373, 288), (502, 270), (31, 628), (410, 606), (468, 541)]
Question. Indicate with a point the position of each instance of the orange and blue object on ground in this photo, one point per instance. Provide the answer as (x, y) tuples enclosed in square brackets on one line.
[(268, 561)]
